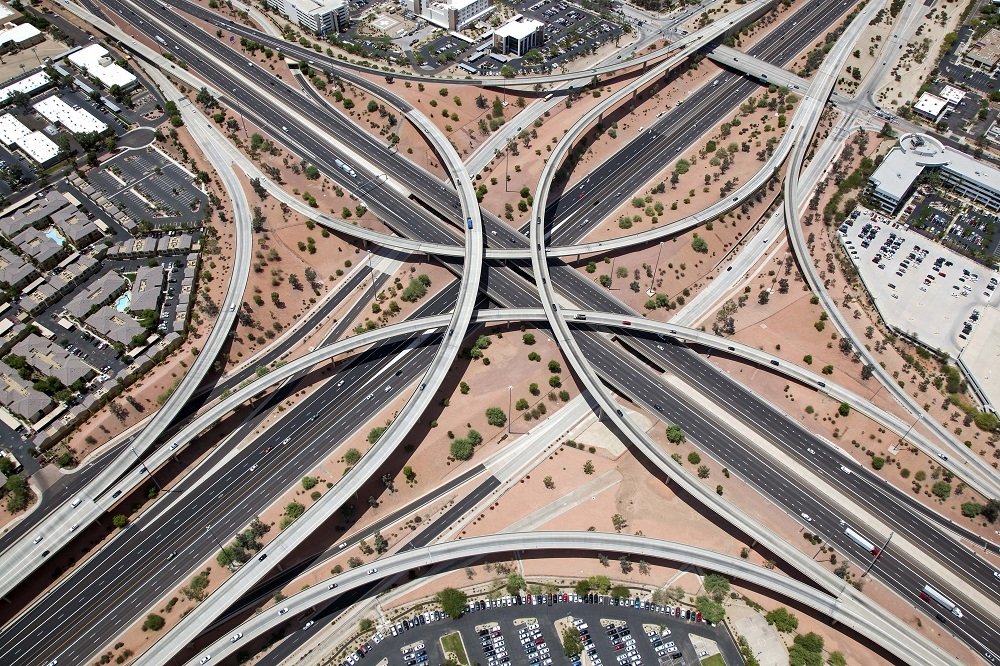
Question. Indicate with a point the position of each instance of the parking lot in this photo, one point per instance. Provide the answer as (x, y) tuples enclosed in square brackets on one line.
[(522, 631), (569, 32), (909, 276), (149, 186)]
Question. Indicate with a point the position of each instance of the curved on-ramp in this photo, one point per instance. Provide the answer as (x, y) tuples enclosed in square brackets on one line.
[(844, 610), (974, 469), (695, 39)]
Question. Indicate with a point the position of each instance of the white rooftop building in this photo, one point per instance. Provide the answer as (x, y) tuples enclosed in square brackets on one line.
[(12, 130), (29, 84), (518, 36), (98, 62), (930, 106), (952, 95), (77, 121), (452, 14), (317, 16), (20, 35), (39, 147), (897, 175)]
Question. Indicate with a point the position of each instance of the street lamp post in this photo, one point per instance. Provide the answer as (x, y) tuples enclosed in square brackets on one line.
[(510, 398), (144, 468), (656, 269)]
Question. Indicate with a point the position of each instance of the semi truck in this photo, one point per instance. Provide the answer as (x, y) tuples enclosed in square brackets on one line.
[(863, 542), (929, 593)]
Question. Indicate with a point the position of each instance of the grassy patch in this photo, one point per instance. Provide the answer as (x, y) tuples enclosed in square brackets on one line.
[(714, 660), (452, 643)]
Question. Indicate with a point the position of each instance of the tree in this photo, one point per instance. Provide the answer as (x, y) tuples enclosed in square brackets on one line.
[(515, 583), (675, 435), (588, 468), (620, 592), (878, 462), (381, 545), (619, 522), (711, 610), (366, 624), (806, 650), (461, 449), (694, 458), (528, 339), (548, 482), (495, 416), (572, 645), (716, 585), (782, 619), (699, 245), (352, 456), (971, 509), (554, 367), (941, 490), (991, 511), (452, 602), (153, 622), (844, 408), (119, 521), (374, 434)]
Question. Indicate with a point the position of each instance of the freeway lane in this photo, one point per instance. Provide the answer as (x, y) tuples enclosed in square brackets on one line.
[(894, 507), (277, 655), (895, 568), (588, 203), (80, 615)]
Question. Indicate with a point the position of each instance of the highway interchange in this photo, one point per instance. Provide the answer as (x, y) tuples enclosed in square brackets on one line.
[(229, 512)]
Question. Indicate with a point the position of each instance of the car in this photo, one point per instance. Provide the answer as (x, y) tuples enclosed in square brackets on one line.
[(267, 450), (253, 467), (331, 586), (942, 456), (235, 637), (372, 571), (232, 308), (172, 555), (205, 659), (283, 610), (806, 517), (308, 624), (37, 539)]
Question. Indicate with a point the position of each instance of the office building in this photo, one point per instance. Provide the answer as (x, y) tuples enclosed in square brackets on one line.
[(898, 174), (98, 62), (316, 16), (518, 36), (452, 14)]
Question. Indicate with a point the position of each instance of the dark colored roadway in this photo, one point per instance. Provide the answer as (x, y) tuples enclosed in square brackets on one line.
[(317, 150)]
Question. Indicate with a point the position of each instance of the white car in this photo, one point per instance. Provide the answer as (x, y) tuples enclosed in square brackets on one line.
[(806, 517), (205, 659), (372, 571), (237, 636), (283, 610)]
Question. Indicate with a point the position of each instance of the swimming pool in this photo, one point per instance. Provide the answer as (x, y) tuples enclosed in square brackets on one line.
[(123, 302), (55, 235)]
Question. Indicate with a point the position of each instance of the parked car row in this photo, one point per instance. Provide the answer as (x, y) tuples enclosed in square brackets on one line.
[(622, 642), (588, 644), (661, 642), (533, 643), (493, 646)]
